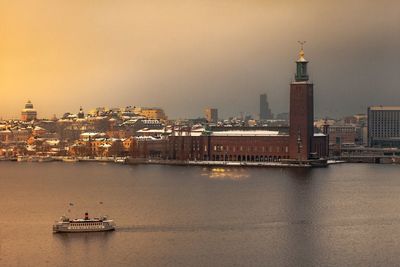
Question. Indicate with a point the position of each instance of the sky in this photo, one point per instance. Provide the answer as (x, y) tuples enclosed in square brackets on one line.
[(184, 56)]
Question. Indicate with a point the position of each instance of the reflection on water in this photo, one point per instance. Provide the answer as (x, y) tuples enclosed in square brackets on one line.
[(83, 240), (225, 173), (299, 173), (344, 215), (67, 238)]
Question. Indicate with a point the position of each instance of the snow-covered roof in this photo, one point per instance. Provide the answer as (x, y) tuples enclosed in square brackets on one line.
[(147, 130), (31, 148), (91, 134), (246, 133), (38, 128), (131, 121), (150, 121), (148, 138), (105, 145), (53, 142)]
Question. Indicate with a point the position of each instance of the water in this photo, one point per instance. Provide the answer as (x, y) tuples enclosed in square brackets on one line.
[(344, 215)]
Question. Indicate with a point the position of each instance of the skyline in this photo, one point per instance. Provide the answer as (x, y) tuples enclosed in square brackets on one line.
[(184, 57)]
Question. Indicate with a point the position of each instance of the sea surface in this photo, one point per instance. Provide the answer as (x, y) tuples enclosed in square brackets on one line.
[(343, 215)]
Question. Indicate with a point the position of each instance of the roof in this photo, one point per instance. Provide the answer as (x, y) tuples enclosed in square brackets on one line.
[(105, 145), (151, 121), (38, 128), (53, 142), (147, 130), (147, 138), (384, 108), (92, 134), (187, 133), (246, 133)]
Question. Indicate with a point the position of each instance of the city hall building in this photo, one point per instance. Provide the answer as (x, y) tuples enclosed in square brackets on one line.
[(298, 143)]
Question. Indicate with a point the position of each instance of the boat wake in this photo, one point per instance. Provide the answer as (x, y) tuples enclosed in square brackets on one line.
[(199, 228), (255, 226)]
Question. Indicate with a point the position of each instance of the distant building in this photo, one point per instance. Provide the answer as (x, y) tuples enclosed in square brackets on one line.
[(342, 135), (152, 113), (28, 113), (265, 111), (283, 116), (81, 114), (211, 114), (384, 126), (97, 111)]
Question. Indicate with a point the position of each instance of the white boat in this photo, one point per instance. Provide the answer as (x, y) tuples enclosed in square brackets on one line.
[(45, 159), (70, 159), (120, 160), (65, 225), (22, 158), (33, 159)]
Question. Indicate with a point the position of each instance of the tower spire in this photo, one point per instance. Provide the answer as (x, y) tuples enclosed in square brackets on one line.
[(301, 53), (301, 65)]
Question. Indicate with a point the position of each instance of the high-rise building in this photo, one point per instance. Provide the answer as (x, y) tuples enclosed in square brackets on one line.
[(211, 114), (265, 111), (301, 112), (28, 113), (384, 126)]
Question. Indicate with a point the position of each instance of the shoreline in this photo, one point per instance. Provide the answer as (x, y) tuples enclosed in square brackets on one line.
[(142, 161)]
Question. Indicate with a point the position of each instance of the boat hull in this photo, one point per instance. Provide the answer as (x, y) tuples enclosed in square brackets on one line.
[(70, 160), (82, 231)]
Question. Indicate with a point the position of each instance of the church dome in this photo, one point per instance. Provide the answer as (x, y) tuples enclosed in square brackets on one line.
[(28, 113), (29, 105)]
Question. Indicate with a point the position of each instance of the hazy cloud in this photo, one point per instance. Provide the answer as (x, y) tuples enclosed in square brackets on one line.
[(186, 55)]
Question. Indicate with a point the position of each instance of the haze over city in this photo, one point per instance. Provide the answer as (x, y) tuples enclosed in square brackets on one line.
[(186, 55)]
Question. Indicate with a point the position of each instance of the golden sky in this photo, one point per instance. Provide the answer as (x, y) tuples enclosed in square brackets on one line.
[(186, 55)]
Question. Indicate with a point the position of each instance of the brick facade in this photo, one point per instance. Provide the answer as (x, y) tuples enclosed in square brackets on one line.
[(301, 129)]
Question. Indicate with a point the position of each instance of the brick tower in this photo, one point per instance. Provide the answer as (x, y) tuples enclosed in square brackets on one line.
[(301, 112)]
